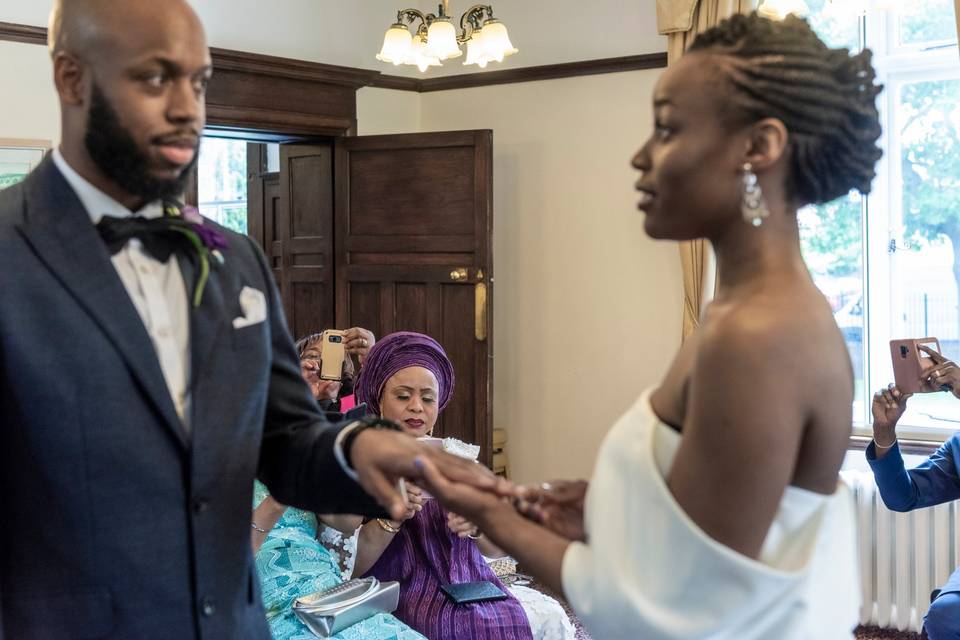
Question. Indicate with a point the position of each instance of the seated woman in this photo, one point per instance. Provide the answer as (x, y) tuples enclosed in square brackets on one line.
[(292, 563), (408, 379), (933, 482)]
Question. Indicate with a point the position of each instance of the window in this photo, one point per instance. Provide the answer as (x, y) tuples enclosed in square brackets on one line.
[(222, 182), (890, 262)]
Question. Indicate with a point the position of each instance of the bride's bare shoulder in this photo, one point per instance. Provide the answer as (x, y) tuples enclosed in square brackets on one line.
[(773, 325)]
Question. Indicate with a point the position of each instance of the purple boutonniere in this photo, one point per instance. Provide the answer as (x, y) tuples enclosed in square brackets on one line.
[(207, 242)]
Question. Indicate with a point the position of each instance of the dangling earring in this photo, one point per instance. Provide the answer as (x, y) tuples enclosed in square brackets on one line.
[(752, 206)]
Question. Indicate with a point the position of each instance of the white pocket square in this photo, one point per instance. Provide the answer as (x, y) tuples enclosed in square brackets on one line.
[(253, 304)]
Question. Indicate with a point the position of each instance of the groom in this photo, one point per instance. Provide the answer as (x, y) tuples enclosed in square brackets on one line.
[(146, 375)]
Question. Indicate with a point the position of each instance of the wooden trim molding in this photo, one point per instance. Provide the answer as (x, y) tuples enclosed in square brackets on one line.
[(546, 72), (259, 64), (26, 143), (23, 33), (401, 83), (288, 122)]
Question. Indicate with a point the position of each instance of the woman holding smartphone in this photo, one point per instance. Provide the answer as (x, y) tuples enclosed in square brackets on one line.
[(357, 342), (935, 481), (715, 508)]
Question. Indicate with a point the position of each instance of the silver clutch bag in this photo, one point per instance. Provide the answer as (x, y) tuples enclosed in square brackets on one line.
[(329, 612)]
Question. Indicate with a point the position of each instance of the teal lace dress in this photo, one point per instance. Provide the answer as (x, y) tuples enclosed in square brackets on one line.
[(292, 563)]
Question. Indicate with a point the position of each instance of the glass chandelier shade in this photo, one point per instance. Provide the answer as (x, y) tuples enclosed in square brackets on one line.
[(397, 45), (476, 51), (496, 41), (421, 56), (442, 39), (780, 9)]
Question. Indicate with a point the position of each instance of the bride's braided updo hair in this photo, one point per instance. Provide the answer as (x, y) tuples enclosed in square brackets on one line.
[(826, 98)]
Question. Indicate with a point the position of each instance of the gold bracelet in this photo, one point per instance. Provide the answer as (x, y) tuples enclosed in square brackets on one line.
[(255, 527), (386, 526)]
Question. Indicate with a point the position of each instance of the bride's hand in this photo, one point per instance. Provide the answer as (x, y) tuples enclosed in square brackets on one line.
[(556, 505)]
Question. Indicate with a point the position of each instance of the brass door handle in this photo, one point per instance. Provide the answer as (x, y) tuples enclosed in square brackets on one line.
[(459, 275), (480, 311)]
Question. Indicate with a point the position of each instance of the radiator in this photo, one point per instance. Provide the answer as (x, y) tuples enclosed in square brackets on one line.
[(903, 556)]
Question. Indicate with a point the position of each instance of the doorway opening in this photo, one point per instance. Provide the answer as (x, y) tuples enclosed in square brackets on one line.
[(222, 177)]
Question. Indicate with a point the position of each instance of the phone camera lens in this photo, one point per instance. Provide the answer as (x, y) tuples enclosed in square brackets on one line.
[(336, 338), (904, 351)]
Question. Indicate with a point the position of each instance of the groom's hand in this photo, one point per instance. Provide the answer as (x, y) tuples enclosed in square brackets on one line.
[(381, 458)]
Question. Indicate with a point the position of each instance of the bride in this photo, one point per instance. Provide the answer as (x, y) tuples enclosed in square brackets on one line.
[(715, 509)]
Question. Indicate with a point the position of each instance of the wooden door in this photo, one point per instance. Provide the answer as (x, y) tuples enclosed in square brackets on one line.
[(413, 253), (301, 237)]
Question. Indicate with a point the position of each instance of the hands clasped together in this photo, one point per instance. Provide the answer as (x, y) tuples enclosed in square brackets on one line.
[(473, 494)]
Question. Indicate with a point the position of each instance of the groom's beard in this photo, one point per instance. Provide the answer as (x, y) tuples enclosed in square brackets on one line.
[(115, 152)]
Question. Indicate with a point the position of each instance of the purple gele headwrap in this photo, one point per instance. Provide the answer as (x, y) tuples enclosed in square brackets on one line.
[(399, 351)]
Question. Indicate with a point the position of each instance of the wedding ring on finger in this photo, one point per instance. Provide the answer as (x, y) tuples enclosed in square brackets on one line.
[(545, 487)]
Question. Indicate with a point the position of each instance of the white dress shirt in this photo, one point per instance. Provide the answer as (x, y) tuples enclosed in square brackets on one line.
[(156, 288)]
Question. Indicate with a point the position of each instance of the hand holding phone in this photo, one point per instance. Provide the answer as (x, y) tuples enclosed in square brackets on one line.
[(913, 360), (332, 354), (943, 375)]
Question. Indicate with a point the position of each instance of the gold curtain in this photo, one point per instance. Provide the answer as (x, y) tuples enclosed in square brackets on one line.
[(681, 21)]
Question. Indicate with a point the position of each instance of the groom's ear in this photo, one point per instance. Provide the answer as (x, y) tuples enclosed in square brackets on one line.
[(71, 79)]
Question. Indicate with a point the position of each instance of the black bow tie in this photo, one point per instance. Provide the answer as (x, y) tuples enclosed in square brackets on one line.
[(161, 237)]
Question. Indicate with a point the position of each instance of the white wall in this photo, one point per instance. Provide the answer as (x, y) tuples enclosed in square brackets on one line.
[(387, 111), (350, 32), (30, 109), (326, 31), (586, 307)]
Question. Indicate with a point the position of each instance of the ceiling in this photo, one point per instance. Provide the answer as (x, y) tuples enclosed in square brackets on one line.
[(349, 32)]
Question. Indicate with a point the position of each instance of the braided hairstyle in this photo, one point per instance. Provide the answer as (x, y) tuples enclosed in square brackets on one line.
[(826, 98)]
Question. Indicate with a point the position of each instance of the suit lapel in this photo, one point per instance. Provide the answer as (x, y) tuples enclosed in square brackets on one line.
[(208, 321), (60, 231)]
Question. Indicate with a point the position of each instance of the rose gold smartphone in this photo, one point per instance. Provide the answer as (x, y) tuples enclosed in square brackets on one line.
[(910, 363), (331, 355)]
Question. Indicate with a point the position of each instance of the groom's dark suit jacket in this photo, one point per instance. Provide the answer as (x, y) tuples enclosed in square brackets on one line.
[(115, 520)]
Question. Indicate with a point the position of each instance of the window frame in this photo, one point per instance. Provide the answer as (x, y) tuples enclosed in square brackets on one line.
[(897, 65)]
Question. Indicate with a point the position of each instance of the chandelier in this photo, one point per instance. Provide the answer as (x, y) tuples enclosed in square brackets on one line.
[(436, 38)]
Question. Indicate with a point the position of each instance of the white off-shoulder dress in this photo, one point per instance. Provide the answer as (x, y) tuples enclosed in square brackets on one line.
[(647, 571)]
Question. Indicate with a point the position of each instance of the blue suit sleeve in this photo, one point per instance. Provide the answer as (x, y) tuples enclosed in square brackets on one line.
[(297, 461), (933, 482)]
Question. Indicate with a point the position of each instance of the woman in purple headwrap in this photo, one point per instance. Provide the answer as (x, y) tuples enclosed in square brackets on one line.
[(408, 378)]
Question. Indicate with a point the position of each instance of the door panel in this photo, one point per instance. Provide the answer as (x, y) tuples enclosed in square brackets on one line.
[(413, 231), (419, 182), (263, 203), (304, 231)]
